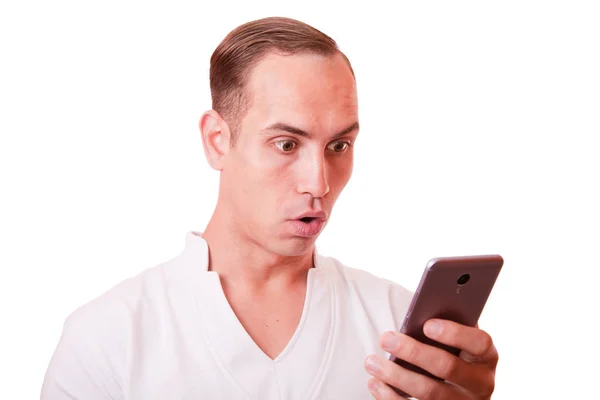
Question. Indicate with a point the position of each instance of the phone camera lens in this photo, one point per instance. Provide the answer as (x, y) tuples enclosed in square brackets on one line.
[(463, 279)]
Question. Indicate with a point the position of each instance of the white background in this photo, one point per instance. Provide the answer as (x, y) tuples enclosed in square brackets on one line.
[(478, 135)]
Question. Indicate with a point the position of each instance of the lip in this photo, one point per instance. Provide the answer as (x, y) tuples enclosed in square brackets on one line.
[(307, 229), (320, 215)]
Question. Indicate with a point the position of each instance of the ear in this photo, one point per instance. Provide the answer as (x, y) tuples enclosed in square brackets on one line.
[(215, 138)]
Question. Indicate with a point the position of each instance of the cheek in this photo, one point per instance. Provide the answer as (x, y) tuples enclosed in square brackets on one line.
[(269, 170), (339, 175), (265, 177)]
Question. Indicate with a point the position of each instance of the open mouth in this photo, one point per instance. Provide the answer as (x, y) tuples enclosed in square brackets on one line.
[(308, 226)]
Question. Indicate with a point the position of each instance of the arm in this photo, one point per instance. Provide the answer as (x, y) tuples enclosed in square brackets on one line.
[(82, 367)]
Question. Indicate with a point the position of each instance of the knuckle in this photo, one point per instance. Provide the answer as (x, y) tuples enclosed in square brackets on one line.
[(387, 392), (431, 391), (447, 367), (489, 386), (485, 344), (395, 374), (451, 330), (412, 351)]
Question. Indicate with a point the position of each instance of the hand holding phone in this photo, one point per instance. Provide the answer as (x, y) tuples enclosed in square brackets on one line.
[(453, 289)]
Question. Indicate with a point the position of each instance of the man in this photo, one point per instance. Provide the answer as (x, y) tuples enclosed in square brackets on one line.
[(250, 310)]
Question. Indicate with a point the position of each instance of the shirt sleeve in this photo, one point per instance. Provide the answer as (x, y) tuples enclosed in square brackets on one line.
[(399, 300), (83, 366)]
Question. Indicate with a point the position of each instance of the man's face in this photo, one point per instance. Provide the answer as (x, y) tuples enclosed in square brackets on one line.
[(293, 154)]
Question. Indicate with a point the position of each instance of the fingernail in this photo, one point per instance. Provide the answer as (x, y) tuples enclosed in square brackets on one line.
[(389, 341), (374, 385), (373, 364), (433, 329)]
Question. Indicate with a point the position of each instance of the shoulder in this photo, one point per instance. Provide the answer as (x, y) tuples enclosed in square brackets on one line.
[(372, 291), (90, 358), (117, 304), (362, 279)]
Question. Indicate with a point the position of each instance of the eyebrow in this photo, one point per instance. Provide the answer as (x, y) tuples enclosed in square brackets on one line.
[(279, 126)]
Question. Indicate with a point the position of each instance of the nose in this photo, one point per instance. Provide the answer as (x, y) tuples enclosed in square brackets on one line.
[(313, 177)]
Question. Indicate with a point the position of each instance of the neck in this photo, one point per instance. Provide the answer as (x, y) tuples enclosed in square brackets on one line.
[(239, 259)]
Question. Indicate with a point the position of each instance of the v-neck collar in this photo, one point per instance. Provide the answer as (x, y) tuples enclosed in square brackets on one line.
[(237, 351)]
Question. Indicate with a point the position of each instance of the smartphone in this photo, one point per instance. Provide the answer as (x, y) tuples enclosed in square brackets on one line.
[(453, 288)]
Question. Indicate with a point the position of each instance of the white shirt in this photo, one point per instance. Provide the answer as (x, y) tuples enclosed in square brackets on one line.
[(169, 333)]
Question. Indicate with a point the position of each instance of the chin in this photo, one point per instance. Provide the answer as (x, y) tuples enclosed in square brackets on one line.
[(293, 246)]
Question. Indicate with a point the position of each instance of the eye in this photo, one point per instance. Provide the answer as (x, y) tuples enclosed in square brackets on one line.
[(339, 147), (285, 145)]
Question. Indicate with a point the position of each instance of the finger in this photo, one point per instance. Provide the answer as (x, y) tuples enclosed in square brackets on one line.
[(417, 385), (474, 341), (381, 391), (475, 378)]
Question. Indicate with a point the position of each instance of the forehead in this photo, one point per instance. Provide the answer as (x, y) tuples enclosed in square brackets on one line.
[(312, 91)]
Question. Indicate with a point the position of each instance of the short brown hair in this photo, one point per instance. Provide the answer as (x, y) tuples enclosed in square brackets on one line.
[(234, 58)]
